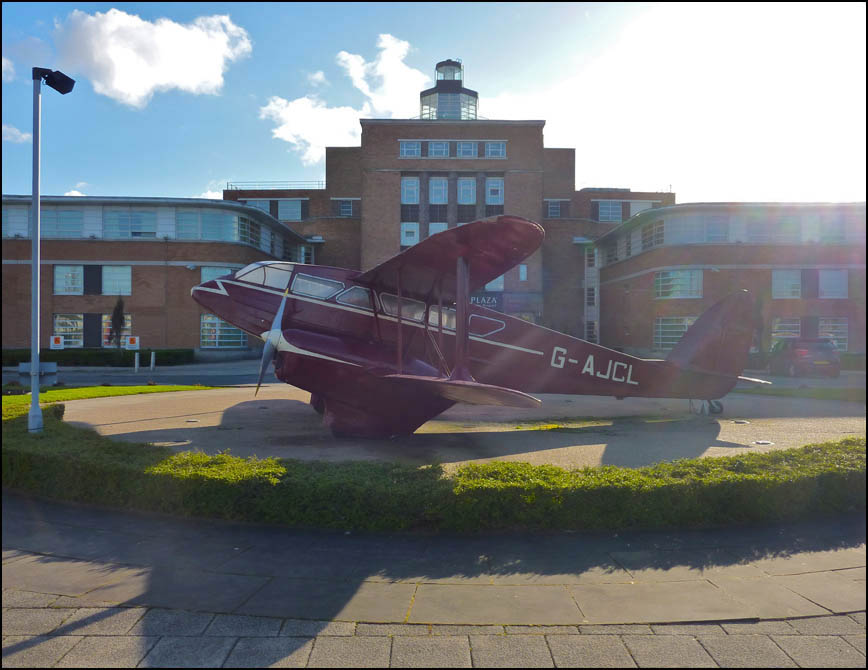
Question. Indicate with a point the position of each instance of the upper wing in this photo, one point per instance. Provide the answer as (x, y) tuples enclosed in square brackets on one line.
[(490, 247)]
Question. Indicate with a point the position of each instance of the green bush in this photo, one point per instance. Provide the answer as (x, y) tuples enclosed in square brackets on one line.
[(96, 357), (77, 464)]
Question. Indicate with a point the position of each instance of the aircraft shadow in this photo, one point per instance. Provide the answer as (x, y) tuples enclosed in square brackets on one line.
[(191, 574)]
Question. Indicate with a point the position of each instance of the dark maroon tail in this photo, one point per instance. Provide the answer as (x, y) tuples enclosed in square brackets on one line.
[(719, 341)]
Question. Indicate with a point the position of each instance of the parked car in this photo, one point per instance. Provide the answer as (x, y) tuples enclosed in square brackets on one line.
[(800, 356)]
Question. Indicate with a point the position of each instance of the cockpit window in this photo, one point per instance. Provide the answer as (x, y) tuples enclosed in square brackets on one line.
[(275, 275), (317, 287), (357, 296), (254, 275), (412, 310)]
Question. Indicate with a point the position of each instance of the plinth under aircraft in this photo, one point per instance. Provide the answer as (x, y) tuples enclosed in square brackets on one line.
[(383, 351)]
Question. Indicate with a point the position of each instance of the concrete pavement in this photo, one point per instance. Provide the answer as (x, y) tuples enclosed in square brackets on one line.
[(88, 587)]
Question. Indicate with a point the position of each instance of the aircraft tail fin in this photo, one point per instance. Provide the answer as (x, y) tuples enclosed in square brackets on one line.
[(719, 341)]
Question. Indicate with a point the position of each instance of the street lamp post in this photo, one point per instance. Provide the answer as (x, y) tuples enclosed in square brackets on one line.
[(63, 85)]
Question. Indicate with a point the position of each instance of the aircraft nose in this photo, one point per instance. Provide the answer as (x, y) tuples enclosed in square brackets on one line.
[(208, 294)]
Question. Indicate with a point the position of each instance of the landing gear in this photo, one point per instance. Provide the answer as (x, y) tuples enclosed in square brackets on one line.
[(706, 407)]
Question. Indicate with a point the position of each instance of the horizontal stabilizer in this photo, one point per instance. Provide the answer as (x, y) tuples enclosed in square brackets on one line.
[(470, 392)]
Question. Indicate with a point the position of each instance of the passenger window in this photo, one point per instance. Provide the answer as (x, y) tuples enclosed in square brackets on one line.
[(277, 276), (412, 310), (317, 287), (357, 297), (448, 318)]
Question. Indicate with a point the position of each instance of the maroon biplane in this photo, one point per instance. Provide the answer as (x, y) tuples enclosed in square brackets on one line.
[(384, 351)]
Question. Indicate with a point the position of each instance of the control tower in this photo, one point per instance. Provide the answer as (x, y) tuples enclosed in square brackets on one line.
[(449, 99)]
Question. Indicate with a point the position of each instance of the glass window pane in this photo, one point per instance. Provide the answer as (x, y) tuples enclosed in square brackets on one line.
[(409, 190), (833, 283), (786, 283), (187, 224), (68, 280), (71, 326), (221, 226), (107, 330), (668, 330), (438, 149), (318, 287), (467, 149), (434, 228), (495, 149), (61, 223), (785, 327), (678, 284), (412, 310), (215, 333), (409, 234), (837, 328), (495, 284), (356, 296), (116, 279), (143, 224), (264, 205), (610, 210), (467, 191), (289, 210), (448, 318), (494, 191), (438, 191), (411, 149)]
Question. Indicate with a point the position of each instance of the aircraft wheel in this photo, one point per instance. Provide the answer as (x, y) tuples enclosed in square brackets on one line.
[(715, 407)]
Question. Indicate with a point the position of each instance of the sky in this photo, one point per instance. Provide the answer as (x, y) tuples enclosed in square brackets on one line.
[(716, 102)]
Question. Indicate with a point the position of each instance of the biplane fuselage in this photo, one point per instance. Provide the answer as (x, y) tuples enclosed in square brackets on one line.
[(367, 356)]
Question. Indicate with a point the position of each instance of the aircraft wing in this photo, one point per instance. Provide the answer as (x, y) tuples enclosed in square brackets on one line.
[(470, 392), (490, 247)]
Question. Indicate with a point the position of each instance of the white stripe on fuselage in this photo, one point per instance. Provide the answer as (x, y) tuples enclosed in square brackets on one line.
[(380, 315)]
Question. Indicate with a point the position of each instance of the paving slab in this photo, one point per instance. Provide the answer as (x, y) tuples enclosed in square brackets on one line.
[(33, 621), (302, 628), (827, 589), (696, 629), (188, 652), (172, 622), (820, 651), (64, 576), (667, 651), (15, 598), (393, 629), (107, 652), (746, 651), (542, 630), (471, 604), (616, 629), (101, 621), (813, 561), (651, 565), (184, 589), (448, 629), (492, 651), (759, 628), (656, 602), (827, 625), (857, 641), (27, 651), (270, 652), (350, 652), (227, 625), (766, 598), (431, 652), (592, 651), (372, 602)]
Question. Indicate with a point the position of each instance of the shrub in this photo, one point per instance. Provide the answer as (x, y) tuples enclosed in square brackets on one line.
[(96, 357)]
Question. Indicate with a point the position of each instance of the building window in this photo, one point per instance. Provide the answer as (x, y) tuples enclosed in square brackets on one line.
[(610, 210), (590, 331), (411, 149), (494, 191), (215, 333), (788, 231), (668, 330), (495, 149), (68, 280), (591, 296), (466, 149), (221, 226), (785, 327), (717, 228), (124, 224), (264, 205), (345, 207), (590, 257), (758, 230), (409, 234), (289, 210), (628, 245), (553, 209), (466, 213), (107, 330), (61, 223), (833, 283), (652, 235), (187, 224), (466, 191), (611, 253), (495, 284), (213, 272), (835, 327), (438, 191), (832, 232), (438, 213), (438, 149), (117, 280), (71, 326), (522, 272), (409, 190), (786, 284), (434, 228), (249, 231), (678, 284)]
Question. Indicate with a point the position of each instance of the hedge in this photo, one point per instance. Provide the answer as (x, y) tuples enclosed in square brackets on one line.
[(95, 357), (77, 464)]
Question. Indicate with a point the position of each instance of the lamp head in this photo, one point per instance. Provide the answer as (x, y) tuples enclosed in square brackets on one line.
[(56, 79)]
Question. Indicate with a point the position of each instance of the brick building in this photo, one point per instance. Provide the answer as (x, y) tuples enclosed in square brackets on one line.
[(148, 251), (804, 264)]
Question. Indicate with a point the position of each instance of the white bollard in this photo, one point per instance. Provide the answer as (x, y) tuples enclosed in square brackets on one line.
[(137, 361), (153, 360)]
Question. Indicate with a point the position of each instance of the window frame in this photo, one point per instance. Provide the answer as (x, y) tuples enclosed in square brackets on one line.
[(405, 146), (491, 153), (126, 289), (438, 144), (842, 284), (68, 343), (80, 290), (610, 207), (223, 331), (438, 191), (784, 288), (678, 284), (410, 190), (473, 146), (491, 182), (406, 228)]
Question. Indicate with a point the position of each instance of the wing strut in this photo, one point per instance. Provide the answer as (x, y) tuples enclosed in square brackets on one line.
[(460, 371), (400, 330)]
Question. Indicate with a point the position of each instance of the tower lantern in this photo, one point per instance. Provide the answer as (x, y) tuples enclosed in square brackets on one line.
[(448, 99)]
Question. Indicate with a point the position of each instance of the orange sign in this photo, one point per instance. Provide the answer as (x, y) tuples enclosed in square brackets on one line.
[(133, 342), (56, 342)]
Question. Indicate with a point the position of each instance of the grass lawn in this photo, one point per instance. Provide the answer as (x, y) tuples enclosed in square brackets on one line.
[(854, 394)]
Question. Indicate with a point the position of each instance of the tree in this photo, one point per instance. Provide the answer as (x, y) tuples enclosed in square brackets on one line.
[(118, 322)]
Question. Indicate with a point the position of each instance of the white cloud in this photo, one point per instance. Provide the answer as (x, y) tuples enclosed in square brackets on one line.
[(210, 195), (129, 59), (8, 69), (387, 83), (317, 78), (12, 134), (73, 192), (82, 184)]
